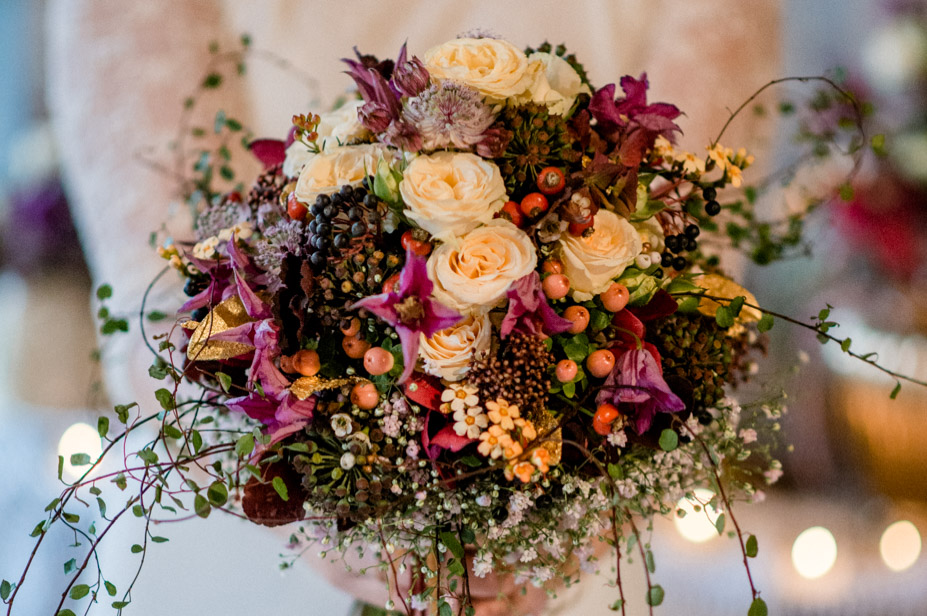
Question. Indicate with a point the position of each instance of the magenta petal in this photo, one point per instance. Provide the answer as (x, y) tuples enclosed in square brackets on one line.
[(292, 409), (254, 306), (414, 280), (207, 296), (410, 342), (381, 305), (254, 406), (438, 317), (269, 151), (447, 438)]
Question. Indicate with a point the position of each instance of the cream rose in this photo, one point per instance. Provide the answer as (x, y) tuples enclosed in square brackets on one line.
[(448, 353), (592, 262), (553, 82), (327, 171), (335, 128), (497, 69), (451, 193), (474, 272)]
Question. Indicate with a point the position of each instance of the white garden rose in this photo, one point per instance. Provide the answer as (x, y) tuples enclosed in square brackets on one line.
[(592, 262), (327, 171), (554, 83), (474, 272), (451, 193), (335, 128), (496, 68), (447, 354)]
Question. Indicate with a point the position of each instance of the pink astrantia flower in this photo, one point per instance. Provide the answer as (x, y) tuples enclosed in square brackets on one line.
[(410, 309), (636, 383), (529, 311), (449, 114)]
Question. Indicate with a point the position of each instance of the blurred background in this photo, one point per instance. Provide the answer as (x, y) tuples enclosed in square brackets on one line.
[(842, 532)]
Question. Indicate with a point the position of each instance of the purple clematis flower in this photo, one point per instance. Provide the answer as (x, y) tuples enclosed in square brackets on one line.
[(636, 381), (381, 102), (529, 311), (233, 276), (410, 309)]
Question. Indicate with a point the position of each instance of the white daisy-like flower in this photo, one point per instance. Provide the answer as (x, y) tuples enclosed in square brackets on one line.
[(470, 422), (342, 425), (458, 397)]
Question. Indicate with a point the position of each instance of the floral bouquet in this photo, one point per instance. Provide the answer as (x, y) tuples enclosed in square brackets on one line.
[(468, 322)]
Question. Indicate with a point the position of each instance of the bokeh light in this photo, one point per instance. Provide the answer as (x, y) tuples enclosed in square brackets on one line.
[(814, 552), (697, 526), (79, 438), (900, 545)]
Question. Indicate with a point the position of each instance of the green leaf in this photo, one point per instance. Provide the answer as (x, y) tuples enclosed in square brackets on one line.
[(224, 380), (244, 446), (159, 539), (614, 471), (120, 604), (669, 440), (846, 192), (156, 315), (5, 589), (220, 122), (719, 524), (166, 398), (102, 505), (576, 348), (148, 456), (104, 291), (280, 488), (450, 540), (65, 613), (217, 494), (122, 411), (444, 608), (201, 506), (70, 566), (878, 144), (233, 125), (569, 389), (60, 466), (648, 559), (196, 439), (212, 80), (471, 461), (655, 595), (103, 426), (896, 390), (73, 518), (751, 548), (737, 305), (79, 592), (136, 549), (80, 459), (758, 608), (724, 317), (120, 481), (617, 605), (845, 345), (823, 314), (171, 431), (765, 323), (110, 588), (467, 536)]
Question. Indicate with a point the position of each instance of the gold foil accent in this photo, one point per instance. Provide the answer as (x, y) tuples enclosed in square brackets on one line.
[(230, 313), (719, 286), (304, 387), (544, 422)]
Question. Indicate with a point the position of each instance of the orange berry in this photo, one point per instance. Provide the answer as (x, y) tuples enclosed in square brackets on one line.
[(566, 370), (378, 360), (556, 286), (579, 317), (616, 297), (552, 267), (354, 347), (365, 395), (600, 363), (353, 329), (306, 362)]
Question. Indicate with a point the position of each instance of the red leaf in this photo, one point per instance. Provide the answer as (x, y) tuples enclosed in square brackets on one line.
[(269, 151), (634, 328), (427, 390), (446, 438), (661, 305)]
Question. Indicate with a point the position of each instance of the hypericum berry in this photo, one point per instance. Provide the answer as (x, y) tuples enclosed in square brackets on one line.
[(566, 370), (605, 416), (580, 228), (709, 194), (616, 297), (551, 180), (712, 208), (512, 212), (534, 204), (552, 266), (556, 286), (600, 363), (578, 316), (692, 231), (679, 264), (410, 242), (295, 209)]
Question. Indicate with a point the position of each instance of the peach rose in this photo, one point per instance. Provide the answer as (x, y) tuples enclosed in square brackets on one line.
[(496, 68), (448, 353), (592, 262), (554, 83), (327, 171), (450, 193), (474, 272)]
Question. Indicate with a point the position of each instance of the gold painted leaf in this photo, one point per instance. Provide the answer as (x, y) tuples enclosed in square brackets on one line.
[(230, 313)]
